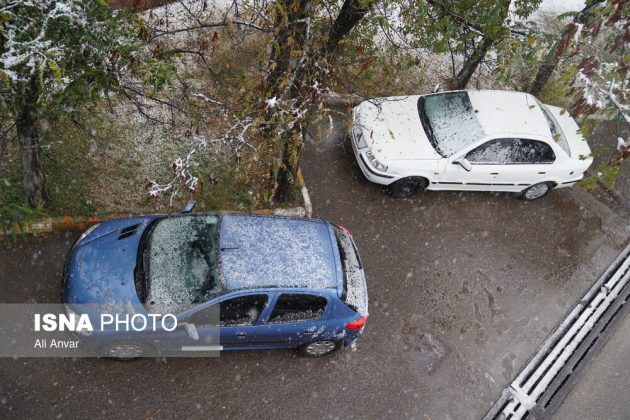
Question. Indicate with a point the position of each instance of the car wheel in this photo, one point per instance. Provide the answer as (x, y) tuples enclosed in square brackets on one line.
[(536, 191), (319, 348), (406, 187), (123, 351)]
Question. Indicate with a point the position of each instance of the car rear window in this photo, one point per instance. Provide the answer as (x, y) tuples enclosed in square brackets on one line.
[(355, 289), (556, 130), (297, 308)]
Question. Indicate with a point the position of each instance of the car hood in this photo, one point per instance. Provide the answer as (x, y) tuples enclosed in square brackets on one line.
[(393, 130), (100, 267)]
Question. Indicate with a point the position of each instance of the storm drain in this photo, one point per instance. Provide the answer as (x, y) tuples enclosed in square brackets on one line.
[(542, 385)]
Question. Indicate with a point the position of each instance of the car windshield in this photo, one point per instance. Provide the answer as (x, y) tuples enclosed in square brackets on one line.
[(181, 261), (449, 121), (556, 131)]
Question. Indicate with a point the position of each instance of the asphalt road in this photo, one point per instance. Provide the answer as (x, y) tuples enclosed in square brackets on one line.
[(463, 289)]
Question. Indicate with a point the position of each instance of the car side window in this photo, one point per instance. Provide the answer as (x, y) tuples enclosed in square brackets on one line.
[(533, 151), (297, 307), (242, 310), (493, 152), (510, 152)]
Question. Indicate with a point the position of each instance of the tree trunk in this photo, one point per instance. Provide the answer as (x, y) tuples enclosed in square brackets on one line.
[(287, 173), (461, 80), (349, 16), (287, 81), (548, 66), (290, 37), (489, 37), (33, 180), (283, 83)]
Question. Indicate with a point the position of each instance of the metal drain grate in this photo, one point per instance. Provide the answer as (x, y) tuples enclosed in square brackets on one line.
[(536, 391)]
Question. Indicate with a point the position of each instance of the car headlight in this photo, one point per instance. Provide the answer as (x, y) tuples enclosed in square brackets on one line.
[(375, 163), (359, 138), (87, 232)]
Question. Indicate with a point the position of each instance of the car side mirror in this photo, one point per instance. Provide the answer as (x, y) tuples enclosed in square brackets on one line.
[(189, 206), (464, 163), (191, 330)]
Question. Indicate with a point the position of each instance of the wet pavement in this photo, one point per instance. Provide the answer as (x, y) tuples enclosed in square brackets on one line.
[(463, 287)]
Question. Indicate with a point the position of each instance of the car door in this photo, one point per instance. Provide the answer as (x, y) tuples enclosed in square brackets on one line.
[(480, 169), (504, 164), (296, 318), (518, 164), (238, 318)]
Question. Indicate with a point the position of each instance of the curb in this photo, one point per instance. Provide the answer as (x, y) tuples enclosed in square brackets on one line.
[(80, 223), (308, 206)]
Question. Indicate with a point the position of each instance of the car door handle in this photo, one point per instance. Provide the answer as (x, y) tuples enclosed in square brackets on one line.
[(241, 333), (494, 173), (541, 173)]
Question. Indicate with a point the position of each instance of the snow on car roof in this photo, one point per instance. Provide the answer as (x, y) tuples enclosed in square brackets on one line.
[(502, 112), (264, 251)]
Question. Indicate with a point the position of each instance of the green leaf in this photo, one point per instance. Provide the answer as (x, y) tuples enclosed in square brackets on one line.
[(5, 78), (54, 68)]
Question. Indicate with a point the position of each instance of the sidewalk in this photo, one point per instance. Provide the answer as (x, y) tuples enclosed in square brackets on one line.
[(610, 370)]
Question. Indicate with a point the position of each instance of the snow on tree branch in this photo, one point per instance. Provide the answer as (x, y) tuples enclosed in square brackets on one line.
[(601, 80)]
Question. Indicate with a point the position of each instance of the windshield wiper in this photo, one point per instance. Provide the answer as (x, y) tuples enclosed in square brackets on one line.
[(141, 279)]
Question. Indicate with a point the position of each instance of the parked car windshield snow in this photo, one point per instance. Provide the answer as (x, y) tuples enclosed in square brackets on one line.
[(181, 264), (449, 121)]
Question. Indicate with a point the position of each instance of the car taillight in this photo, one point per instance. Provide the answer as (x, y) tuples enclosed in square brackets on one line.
[(345, 229), (357, 325)]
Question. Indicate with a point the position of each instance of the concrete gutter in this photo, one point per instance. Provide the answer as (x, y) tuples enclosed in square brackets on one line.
[(80, 223)]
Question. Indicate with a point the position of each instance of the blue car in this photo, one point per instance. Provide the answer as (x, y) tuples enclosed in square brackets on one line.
[(240, 281)]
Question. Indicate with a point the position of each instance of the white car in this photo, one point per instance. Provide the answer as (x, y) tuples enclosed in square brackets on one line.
[(468, 140)]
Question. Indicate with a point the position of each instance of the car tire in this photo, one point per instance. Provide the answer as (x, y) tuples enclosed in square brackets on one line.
[(536, 191), (406, 187), (123, 352), (319, 348)]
